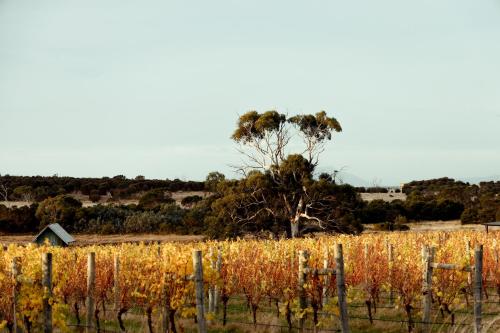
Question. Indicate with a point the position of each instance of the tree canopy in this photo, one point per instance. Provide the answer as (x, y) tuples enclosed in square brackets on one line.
[(278, 184)]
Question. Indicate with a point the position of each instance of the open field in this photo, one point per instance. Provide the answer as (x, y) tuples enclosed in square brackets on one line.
[(383, 196), (89, 239), (82, 240)]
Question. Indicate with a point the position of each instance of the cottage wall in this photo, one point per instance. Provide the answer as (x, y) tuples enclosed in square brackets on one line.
[(51, 236)]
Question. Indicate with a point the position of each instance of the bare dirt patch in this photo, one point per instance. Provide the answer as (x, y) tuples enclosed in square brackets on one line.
[(84, 239), (431, 226), (10, 204), (383, 196)]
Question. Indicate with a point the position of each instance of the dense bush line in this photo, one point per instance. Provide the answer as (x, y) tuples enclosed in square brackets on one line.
[(378, 211), (38, 188), (481, 203), (223, 213), (156, 212), (101, 219)]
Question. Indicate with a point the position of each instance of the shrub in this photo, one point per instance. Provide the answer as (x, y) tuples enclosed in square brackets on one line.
[(106, 217), (104, 227), (142, 222), (388, 226), (400, 220), (18, 219), (154, 198), (470, 215), (173, 219), (60, 209), (191, 200), (94, 196)]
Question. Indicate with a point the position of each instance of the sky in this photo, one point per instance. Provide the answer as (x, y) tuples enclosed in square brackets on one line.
[(99, 88)]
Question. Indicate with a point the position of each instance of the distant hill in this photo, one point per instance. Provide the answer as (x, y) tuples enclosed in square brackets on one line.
[(349, 178), (346, 177), (477, 180)]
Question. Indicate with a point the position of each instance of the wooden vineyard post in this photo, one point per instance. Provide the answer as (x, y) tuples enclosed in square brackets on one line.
[(495, 254), (339, 271), (218, 267), (478, 287), (116, 281), (198, 281), (468, 255), (327, 277), (303, 261), (47, 291), (366, 281), (495, 251), (211, 289), (390, 259), (365, 257), (16, 271), (90, 301), (428, 254)]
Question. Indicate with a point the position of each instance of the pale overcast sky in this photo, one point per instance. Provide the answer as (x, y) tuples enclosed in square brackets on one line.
[(100, 88)]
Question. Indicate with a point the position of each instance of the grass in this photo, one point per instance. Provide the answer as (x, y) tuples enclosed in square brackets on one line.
[(240, 320), (388, 319)]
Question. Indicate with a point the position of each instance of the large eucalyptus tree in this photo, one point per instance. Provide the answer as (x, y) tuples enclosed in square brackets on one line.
[(278, 179)]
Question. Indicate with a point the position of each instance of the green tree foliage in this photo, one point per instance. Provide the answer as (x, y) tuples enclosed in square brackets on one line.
[(94, 196), (278, 191), (191, 200), (445, 198), (470, 215), (119, 186), (173, 219), (391, 226), (143, 222), (213, 180), (102, 219), (20, 219), (488, 207), (315, 129), (155, 198), (378, 211), (61, 209), (24, 193)]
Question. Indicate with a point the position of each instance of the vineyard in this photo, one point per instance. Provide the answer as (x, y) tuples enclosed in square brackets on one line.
[(398, 282)]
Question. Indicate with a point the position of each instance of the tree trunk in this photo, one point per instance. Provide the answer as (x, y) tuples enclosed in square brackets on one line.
[(171, 319), (288, 315), (77, 313), (96, 316), (120, 319), (369, 308), (149, 311), (254, 314), (294, 227), (224, 299)]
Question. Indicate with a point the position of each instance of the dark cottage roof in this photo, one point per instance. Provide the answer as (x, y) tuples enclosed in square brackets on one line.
[(492, 224), (59, 231)]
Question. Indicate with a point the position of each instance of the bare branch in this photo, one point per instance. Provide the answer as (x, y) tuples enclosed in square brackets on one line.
[(4, 192)]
